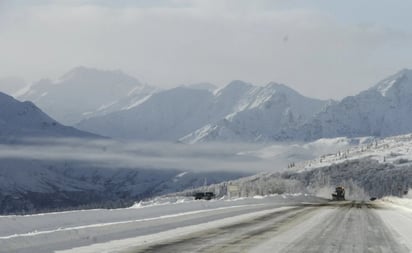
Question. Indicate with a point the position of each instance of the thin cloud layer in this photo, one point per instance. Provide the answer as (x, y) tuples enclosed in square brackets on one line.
[(113, 154), (234, 157)]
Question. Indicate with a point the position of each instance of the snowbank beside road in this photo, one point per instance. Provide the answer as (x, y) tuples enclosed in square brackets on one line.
[(397, 215), (404, 203)]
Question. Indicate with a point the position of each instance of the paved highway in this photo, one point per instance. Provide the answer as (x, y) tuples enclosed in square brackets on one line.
[(266, 224), (333, 227)]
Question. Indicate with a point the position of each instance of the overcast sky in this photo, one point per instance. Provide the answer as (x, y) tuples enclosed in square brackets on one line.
[(322, 48)]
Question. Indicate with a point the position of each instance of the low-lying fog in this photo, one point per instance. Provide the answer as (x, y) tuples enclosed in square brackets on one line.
[(240, 157)]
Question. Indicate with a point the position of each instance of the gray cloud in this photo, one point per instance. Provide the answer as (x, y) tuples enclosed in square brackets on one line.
[(166, 43)]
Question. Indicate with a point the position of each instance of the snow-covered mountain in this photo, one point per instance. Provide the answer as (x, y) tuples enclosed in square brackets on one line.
[(261, 114), (20, 120), (382, 110), (116, 105), (166, 115), (85, 92), (237, 112)]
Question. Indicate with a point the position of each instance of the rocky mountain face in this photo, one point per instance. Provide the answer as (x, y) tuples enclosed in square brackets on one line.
[(85, 92)]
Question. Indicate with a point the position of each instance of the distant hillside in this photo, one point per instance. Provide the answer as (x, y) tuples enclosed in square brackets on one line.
[(20, 120)]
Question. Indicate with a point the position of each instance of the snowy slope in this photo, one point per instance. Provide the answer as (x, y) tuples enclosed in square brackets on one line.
[(20, 120), (287, 153), (382, 110), (262, 114), (237, 112), (85, 92), (166, 115)]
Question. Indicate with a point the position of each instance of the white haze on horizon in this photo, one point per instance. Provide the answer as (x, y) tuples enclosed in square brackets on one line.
[(321, 49)]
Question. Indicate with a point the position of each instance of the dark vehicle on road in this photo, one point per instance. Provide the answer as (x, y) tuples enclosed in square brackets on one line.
[(204, 195), (339, 193)]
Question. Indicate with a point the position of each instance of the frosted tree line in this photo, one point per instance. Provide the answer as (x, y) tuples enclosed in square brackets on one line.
[(362, 179)]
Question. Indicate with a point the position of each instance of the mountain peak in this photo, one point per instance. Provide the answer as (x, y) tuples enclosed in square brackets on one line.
[(400, 82), (405, 71), (22, 120), (278, 87), (235, 86), (78, 71)]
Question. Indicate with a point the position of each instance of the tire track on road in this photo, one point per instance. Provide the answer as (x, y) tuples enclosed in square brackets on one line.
[(345, 227), (232, 238), (355, 228)]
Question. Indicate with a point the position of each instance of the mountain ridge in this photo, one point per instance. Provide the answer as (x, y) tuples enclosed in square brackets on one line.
[(20, 120), (201, 109), (241, 111), (381, 111)]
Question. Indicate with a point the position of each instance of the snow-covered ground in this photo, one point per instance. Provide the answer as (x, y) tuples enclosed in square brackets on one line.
[(277, 223), (395, 150), (66, 230), (303, 153), (397, 215)]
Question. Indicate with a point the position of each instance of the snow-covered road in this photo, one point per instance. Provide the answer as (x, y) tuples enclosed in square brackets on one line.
[(350, 227), (335, 227), (270, 224)]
